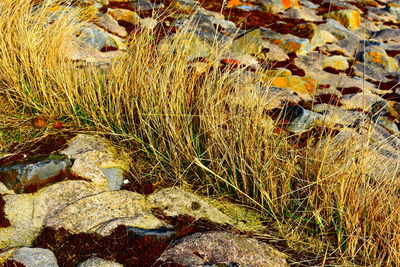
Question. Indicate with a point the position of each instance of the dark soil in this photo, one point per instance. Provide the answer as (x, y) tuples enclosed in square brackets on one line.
[(44, 146), (4, 222)]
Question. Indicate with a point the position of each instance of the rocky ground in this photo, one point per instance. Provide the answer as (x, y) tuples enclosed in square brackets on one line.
[(329, 64)]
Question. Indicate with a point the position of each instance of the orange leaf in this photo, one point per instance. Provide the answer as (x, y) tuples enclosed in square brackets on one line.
[(58, 125), (231, 61), (39, 122)]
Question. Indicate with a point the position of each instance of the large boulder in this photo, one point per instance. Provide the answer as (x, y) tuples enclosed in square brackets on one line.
[(219, 248)]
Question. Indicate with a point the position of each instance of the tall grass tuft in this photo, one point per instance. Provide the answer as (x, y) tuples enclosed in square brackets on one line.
[(209, 123)]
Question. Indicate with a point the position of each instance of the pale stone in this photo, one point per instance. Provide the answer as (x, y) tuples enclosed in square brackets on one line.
[(98, 262), (174, 201), (88, 214), (94, 157), (219, 248), (35, 257)]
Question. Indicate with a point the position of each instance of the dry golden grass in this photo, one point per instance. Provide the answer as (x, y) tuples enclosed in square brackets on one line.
[(211, 127)]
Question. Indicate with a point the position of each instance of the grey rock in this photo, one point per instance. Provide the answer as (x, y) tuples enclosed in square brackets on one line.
[(247, 43), (100, 39), (361, 101), (301, 119), (35, 172), (202, 26), (107, 22), (97, 160), (334, 116), (288, 42), (279, 97), (347, 39), (35, 257), (380, 14), (386, 123), (102, 213), (98, 262), (377, 56), (394, 8), (219, 248), (386, 35), (174, 201), (312, 65), (369, 71)]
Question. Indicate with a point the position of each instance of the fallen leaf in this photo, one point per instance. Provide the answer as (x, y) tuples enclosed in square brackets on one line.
[(39, 122), (58, 125), (231, 61)]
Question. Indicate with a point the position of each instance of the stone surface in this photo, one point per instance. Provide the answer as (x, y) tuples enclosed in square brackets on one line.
[(33, 173), (336, 62), (98, 262), (28, 212), (93, 213), (289, 43), (100, 39), (276, 6), (24, 224), (349, 18), (124, 14), (175, 201), (107, 22), (210, 248), (97, 160), (248, 43), (300, 119), (191, 45), (376, 55), (35, 257)]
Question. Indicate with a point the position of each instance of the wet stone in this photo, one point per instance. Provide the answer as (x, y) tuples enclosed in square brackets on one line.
[(34, 173)]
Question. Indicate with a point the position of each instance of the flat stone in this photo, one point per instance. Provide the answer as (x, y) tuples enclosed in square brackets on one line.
[(248, 43), (97, 160), (348, 39), (33, 173), (311, 32), (289, 43), (91, 214), (301, 119), (273, 52), (313, 68), (361, 101), (377, 56), (334, 116), (189, 45), (125, 15), (219, 248), (28, 212), (336, 62), (108, 23), (98, 262), (304, 87), (387, 35), (99, 39), (175, 201), (25, 226), (302, 12), (35, 257), (349, 18), (279, 97), (276, 6)]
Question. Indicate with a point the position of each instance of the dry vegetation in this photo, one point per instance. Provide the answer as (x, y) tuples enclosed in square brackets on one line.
[(210, 127)]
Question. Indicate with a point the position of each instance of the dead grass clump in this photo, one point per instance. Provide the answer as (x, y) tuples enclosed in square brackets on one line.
[(210, 126)]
